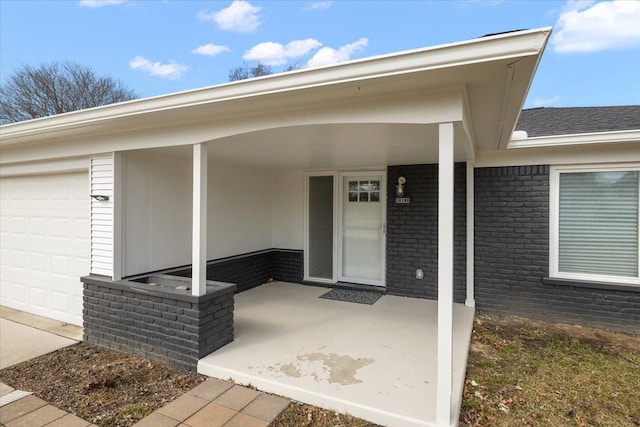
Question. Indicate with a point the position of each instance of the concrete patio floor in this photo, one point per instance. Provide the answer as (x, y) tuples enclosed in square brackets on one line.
[(377, 362)]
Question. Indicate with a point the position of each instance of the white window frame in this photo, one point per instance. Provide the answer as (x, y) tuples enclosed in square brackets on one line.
[(554, 203)]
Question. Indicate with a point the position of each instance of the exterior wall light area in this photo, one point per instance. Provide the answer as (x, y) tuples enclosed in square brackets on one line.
[(400, 187), (401, 197)]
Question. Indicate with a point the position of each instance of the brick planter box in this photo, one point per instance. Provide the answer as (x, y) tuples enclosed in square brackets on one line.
[(157, 317)]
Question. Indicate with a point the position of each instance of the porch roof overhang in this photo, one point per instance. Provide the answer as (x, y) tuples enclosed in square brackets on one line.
[(388, 106)]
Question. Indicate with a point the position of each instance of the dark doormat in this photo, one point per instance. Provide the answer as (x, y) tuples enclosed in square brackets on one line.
[(349, 295)]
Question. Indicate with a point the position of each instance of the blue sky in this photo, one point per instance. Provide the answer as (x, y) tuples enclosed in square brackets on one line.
[(157, 47)]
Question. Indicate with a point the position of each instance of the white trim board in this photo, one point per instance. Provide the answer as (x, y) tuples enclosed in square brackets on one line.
[(623, 136)]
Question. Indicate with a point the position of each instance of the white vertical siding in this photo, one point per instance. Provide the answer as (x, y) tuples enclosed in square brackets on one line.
[(102, 177)]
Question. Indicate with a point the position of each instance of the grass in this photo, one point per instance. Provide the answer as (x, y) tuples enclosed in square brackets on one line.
[(135, 412), (533, 373)]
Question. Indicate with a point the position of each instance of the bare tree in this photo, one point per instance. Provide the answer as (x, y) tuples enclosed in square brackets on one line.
[(246, 72), (56, 88), (239, 73), (294, 66)]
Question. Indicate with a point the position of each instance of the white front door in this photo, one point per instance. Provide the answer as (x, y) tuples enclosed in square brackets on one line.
[(362, 231)]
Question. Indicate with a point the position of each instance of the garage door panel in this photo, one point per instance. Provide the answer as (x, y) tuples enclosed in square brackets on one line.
[(15, 292), (17, 225), (18, 259), (11, 192), (61, 266), (38, 297), (38, 261), (38, 226), (81, 231), (60, 227), (61, 302), (45, 243)]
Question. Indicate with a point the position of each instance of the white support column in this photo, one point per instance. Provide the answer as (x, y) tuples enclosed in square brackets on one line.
[(199, 241), (445, 274), (470, 300)]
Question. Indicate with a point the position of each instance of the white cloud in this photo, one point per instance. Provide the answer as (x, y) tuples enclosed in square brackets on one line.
[(586, 26), (319, 5), (241, 16), (328, 56), (271, 53), (99, 3), (545, 102), (210, 49), (172, 70)]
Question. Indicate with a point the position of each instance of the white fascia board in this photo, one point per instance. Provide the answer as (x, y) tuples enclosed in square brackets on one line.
[(480, 50), (563, 154), (513, 99), (61, 165), (622, 136)]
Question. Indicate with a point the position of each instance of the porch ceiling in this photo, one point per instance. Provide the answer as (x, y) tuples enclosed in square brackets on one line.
[(337, 146)]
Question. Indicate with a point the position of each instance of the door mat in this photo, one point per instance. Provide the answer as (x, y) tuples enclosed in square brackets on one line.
[(349, 295)]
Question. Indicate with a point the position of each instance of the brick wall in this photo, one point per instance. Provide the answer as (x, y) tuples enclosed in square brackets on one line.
[(287, 265), (512, 257), (412, 232), (166, 326), (253, 269)]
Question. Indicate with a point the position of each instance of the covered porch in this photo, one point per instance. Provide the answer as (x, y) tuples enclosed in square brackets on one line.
[(378, 362), (227, 178)]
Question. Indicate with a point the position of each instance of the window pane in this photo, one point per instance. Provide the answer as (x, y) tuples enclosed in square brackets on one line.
[(598, 223), (321, 227)]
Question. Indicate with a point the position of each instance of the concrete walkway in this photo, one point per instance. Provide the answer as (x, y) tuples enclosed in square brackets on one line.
[(24, 336), (20, 342), (214, 403), (17, 410), (217, 403)]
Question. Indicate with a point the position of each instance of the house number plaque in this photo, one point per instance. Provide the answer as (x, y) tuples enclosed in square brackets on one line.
[(403, 200)]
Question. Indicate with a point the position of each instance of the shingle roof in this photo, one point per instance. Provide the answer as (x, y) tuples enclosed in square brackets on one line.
[(573, 120)]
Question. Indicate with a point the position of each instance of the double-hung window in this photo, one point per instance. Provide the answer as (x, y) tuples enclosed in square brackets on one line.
[(594, 221)]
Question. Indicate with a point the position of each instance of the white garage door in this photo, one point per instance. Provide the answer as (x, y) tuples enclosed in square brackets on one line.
[(44, 238)]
